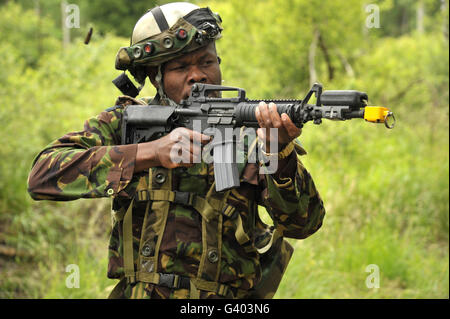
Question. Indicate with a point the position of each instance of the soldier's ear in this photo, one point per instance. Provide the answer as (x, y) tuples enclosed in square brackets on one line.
[(152, 71)]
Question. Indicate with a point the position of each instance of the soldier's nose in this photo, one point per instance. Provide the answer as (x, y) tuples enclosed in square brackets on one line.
[(196, 76)]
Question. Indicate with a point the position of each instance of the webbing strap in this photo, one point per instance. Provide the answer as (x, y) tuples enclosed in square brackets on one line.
[(277, 234), (209, 267), (162, 213), (212, 209), (196, 284), (150, 277), (219, 288), (155, 194), (241, 237), (128, 258), (194, 293), (212, 286), (155, 278), (160, 18), (206, 208)]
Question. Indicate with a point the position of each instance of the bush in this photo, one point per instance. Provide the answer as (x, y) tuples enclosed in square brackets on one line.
[(386, 192)]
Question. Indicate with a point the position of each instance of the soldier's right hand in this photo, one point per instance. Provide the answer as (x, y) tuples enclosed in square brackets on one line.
[(180, 148)]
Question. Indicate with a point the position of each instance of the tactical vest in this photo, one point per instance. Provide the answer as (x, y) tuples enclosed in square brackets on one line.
[(266, 244)]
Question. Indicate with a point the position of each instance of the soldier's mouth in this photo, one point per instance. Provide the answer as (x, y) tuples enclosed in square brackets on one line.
[(185, 97)]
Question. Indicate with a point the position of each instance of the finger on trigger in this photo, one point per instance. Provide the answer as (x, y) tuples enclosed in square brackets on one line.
[(199, 138)]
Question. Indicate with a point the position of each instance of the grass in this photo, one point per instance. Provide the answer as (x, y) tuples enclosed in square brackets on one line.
[(51, 237)]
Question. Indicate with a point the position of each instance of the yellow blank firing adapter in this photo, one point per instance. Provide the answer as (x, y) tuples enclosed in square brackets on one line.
[(379, 114)]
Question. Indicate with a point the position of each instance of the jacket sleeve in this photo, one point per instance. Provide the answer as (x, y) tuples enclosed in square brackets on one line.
[(291, 198), (84, 164)]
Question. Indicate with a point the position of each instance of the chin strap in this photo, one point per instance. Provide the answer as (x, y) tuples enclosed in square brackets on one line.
[(160, 89)]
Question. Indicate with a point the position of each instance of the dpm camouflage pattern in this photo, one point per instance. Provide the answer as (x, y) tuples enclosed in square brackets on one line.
[(92, 164)]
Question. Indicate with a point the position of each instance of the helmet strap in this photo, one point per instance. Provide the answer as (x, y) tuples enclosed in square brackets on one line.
[(160, 89)]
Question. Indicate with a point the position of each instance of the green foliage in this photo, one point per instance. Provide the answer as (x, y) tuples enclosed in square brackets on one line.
[(386, 192), (26, 41), (107, 16), (400, 17), (114, 16)]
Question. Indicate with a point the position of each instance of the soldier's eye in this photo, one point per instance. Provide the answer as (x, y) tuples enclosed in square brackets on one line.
[(178, 67), (208, 63)]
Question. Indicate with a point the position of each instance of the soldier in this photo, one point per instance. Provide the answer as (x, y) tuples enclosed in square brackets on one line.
[(173, 236)]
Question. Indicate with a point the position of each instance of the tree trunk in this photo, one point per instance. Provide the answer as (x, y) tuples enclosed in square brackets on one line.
[(65, 29), (404, 21), (420, 17), (444, 19), (39, 27), (312, 58), (347, 66), (324, 49)]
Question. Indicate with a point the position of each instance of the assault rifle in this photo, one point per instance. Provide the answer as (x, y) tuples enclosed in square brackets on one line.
[(146, 123)]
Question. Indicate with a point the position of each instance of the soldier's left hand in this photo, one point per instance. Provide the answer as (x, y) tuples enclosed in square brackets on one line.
[(268, 117)]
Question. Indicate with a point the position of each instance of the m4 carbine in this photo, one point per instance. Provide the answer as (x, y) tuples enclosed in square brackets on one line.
[(202, 111)]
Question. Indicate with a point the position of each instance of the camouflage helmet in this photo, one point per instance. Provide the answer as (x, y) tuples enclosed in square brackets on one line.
[(167, 32)]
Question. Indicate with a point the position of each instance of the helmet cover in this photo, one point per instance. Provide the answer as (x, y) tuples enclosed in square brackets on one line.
[(165, 33)]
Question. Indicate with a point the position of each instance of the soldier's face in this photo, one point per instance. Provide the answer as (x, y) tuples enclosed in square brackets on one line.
[(200, 66)]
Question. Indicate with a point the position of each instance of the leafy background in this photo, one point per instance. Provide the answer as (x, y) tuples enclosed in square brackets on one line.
[(386, 191)]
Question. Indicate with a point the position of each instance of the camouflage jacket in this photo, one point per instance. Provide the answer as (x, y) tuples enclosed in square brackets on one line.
[(92, 164)]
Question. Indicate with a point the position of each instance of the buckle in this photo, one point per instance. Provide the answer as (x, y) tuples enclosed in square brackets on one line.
[(167, 280), (183, 198), (174, 281), (229, 211), (142, 196)]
